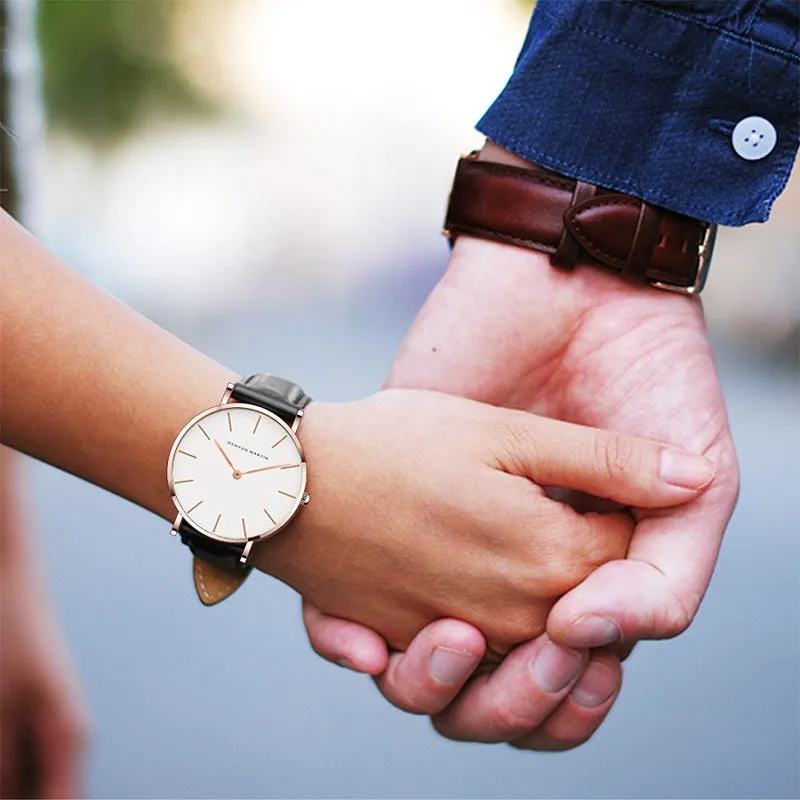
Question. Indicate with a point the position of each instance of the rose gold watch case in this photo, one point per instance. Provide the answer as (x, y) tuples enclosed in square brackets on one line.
[(302, 498)]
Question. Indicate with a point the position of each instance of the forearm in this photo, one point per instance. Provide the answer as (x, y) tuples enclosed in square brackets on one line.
[(89, 385)]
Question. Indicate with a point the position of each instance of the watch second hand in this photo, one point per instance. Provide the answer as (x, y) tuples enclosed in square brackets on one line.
[(264, 469), (224, 455)]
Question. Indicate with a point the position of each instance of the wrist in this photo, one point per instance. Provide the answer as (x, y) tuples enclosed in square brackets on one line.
[(494, 152), (291, 554), (598, 283)]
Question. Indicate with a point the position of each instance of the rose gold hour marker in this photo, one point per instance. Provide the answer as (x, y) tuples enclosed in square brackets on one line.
[(258, 422), (290, 466), (286, 494), (244, 527), (280, 440), (214, 529), (230, 424), (270, 517), (194, 507), (187, 454), (204, 432), (185, 480)]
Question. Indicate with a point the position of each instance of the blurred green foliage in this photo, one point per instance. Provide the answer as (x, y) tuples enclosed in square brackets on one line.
[(106, 61)]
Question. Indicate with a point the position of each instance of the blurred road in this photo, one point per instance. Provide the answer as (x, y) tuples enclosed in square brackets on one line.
[(231, 702)]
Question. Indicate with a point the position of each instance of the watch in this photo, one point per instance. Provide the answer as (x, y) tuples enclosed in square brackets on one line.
[(237, 475), (576, 222)]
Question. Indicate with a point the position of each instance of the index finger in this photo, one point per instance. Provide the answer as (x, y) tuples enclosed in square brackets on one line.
[(631, 470)]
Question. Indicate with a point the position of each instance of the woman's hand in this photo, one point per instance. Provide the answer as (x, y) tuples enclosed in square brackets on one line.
[(427, 506), (43, 720)]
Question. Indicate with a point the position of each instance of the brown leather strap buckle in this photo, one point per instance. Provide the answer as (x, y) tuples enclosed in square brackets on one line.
[(576, 222), (704, 252)]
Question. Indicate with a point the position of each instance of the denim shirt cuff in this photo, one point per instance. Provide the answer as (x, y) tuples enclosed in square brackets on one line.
[(642, 99)]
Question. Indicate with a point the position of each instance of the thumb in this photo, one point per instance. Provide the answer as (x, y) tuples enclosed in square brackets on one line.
[(628, 469)]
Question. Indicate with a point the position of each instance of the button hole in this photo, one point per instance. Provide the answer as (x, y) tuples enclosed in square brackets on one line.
[(721, 125)]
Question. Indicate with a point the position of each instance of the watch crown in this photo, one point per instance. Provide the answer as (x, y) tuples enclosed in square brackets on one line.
[(306, 499)]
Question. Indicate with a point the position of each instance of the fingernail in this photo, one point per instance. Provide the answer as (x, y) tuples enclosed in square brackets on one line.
[(449, 666), (554, 667), (684, 469), (596, 685), (592, 631), (346, 663)]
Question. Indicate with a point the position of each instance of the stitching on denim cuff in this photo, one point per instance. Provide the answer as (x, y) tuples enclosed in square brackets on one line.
[(669, 59), (743, 40)]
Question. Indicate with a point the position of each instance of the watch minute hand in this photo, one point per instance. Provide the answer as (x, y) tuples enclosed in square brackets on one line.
[(264, 469)]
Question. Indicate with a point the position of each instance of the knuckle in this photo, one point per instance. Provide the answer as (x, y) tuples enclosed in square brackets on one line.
[(600, 545), (505, 723), (615, 455), (668, 615), (676, 619), (573, 567), (513, 433), (552, 562), (564, 569), (674, 611)]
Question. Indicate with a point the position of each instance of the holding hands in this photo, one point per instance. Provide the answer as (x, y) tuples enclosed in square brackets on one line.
[(428, 506), (504, 327), (431, 529)]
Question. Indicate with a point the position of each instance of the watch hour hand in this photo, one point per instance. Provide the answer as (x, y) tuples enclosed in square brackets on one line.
[(224, 455)]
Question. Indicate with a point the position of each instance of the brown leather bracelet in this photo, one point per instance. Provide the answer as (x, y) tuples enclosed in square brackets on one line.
[(579, 223)]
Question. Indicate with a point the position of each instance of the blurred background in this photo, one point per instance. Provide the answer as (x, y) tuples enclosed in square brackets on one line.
[(200, 159)]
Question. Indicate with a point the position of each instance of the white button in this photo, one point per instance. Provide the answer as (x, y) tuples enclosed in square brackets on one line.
[(754, 138)]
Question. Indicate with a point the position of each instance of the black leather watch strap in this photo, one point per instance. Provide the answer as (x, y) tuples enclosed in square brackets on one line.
[(223, 554), (283, 398)]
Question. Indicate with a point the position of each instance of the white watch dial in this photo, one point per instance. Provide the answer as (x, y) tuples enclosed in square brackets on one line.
[(237, 472)]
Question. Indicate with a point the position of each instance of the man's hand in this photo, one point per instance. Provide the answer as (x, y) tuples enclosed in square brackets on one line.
[(505, 327)]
